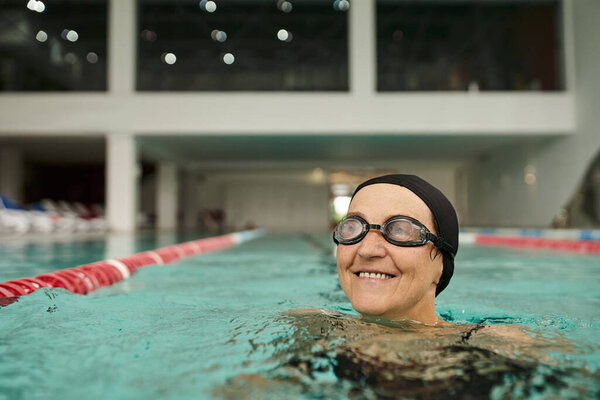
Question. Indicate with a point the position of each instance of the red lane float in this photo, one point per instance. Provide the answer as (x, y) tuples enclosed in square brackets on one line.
[(95, 274), (37, 282), (56, 281), (75, 281), (19, 286), (137, 261), (13, 289), (5, 292), (167, 254), (22, 287), (113, 275), (581, 246), (89, 277)]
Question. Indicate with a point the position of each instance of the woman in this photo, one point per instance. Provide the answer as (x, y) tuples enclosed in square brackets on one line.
[(396, 248), (395, 253)]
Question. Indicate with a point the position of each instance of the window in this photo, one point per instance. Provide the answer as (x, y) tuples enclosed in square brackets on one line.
[(472, 45), (242, 45), (53, 45)]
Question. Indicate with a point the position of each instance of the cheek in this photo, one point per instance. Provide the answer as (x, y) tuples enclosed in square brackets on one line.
[(344, 257), (416, 263)]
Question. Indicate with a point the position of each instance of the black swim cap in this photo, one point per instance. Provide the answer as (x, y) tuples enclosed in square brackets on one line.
[(444, 215)]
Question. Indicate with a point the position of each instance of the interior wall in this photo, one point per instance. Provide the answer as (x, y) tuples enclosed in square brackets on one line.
[(498, 194), (286, 200), (277, 205), (277, 201), (210, 193)]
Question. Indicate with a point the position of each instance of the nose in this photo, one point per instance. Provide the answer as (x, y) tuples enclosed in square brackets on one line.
[(372, 245)]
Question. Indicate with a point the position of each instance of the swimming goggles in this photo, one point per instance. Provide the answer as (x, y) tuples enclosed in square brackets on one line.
[(399, 230)]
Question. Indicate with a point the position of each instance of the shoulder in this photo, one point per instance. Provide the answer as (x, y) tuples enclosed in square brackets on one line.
[(305, 311), (314, 311), (515, 333)]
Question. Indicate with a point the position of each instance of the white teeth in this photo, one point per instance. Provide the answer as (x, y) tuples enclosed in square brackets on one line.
[(374, 275)]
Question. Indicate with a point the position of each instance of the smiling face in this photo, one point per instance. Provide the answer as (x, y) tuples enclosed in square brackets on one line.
[(382, 279)]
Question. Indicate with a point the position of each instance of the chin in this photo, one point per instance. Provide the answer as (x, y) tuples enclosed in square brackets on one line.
[(370, 307)]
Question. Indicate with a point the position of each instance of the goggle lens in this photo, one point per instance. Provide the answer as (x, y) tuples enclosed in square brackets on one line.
[(349, 229), (402, 230)]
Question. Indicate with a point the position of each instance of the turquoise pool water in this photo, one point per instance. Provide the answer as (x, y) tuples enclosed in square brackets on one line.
[(217, 326)]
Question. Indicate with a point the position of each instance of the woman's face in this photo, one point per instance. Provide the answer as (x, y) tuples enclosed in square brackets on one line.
[(410, 293)]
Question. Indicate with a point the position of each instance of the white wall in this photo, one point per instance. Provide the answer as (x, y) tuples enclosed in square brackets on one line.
[(498, 195), (277, 205), (289, 201), (279, 201), (291, 113)]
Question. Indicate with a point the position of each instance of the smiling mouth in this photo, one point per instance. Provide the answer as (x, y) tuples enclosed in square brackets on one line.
[(374, 275)]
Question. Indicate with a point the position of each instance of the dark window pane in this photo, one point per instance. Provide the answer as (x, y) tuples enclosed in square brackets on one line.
[(53, 45), (469, 45), (242, 45)]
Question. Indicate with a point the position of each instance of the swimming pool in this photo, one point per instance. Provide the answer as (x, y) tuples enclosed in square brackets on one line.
[(217, 325)]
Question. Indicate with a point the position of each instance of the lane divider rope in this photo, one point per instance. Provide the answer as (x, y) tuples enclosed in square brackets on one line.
[(86, 278), (533, 242), (121, 267)]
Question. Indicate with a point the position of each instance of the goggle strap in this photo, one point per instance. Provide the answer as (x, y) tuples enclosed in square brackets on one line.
[(441, 244)]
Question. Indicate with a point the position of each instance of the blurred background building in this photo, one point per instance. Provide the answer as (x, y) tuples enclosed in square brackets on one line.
[(230, 114)]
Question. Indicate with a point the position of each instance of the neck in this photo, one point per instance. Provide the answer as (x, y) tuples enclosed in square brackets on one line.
[(423, 311), (429, 318)]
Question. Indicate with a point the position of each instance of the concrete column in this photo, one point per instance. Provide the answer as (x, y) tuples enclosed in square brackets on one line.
[(12, 174), (121, 182), (166, 196), (362, 46), (121, 46)]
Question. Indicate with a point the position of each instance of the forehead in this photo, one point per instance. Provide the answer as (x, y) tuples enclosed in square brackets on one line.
[(378, 202)]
